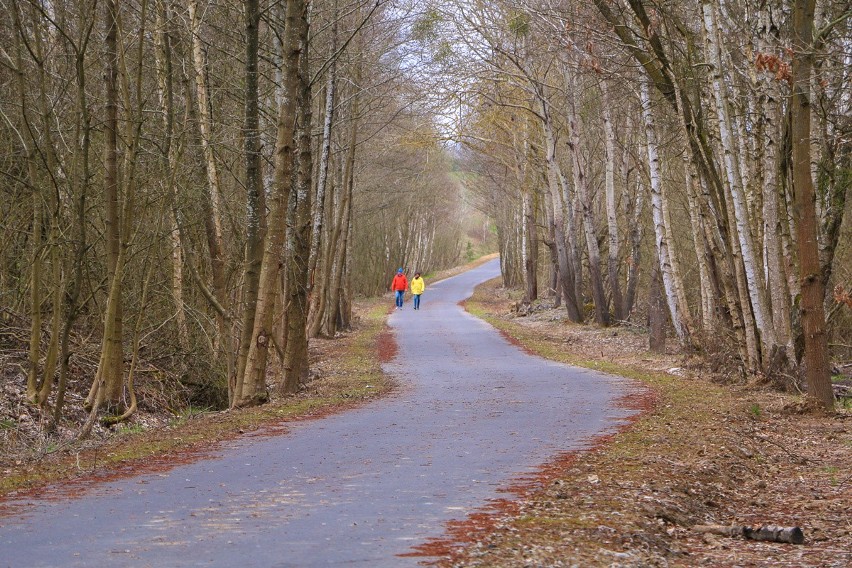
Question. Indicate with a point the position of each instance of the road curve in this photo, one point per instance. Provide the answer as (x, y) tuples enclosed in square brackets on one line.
[(355, 489)]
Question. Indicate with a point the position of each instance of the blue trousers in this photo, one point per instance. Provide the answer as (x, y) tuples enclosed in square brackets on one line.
[(416, 301), (400, 294)]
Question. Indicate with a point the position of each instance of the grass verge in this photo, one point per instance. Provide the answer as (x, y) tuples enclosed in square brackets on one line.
[(349, 373), (700, 455)]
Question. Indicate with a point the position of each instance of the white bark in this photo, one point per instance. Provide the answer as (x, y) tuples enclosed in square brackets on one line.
[(762, 317), (205, 123), (581, 186), (611, 205), (660, 239), (557, 187), (768, 114)]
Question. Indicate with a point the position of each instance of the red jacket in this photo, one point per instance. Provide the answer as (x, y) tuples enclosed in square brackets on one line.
[(400, 282)]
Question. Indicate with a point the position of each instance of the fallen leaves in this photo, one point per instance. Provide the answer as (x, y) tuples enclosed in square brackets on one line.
[(706, 454)]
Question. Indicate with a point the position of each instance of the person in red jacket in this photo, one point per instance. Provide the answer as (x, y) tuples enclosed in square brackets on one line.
[(399, 286)]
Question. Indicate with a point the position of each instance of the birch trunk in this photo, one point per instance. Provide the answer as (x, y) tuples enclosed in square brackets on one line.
[(661, 241), (756, 290), (768, 116), (566, 270), (584, 197), (318, 297), (611, 205), (163, 55)]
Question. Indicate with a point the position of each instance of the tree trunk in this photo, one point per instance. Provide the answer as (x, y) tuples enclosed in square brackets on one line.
[(210, 202), (578, 171), (611, 206), (661, 241), (35, 285), (762, 316), (80, 180), (656, 312), (250, 387), (340, 240), (255, 209), (296, 364), (566, 270), (817, 370), (530, 248), (111, 366), (165, 83), (636, 234), (318, 296)]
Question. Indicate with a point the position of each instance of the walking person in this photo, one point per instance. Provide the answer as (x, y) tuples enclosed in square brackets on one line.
[(417, 288), (399, 285)]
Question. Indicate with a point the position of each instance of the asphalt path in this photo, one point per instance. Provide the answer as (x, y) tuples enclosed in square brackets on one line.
[(360, 488)]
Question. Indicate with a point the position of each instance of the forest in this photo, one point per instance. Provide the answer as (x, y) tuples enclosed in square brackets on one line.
[(193, 191), (680, 164)]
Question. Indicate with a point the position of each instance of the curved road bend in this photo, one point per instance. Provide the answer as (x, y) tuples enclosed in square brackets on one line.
[(355, 489)]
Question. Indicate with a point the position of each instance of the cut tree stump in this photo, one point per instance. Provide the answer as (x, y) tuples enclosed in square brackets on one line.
[(771, 533)]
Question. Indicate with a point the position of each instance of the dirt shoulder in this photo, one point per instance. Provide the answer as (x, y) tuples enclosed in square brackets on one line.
[(702, 454)]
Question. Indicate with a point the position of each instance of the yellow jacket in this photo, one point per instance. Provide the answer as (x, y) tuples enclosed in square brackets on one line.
[(417, 285)]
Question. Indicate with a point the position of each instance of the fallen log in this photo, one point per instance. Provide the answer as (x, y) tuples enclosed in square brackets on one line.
[(771, 533)]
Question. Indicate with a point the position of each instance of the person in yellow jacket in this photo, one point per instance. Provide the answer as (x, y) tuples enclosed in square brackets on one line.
[(417, 288)]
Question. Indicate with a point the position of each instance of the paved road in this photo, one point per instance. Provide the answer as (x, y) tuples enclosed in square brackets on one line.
[(355, 489)]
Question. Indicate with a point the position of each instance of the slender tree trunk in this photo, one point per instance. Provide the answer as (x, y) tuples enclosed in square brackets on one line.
[(779, 296), (81, 177), (656, 311), (52, 353), (343, 221), (530, 239), (635, 209), (566, 270), (611, 206), (36, 268), (661, 241), (205, 122), (255, 213), (211, 200), (578, 171), (163, 53), (702, 254), (575, 256), (318, 297), (108, 386), (756, 290)]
